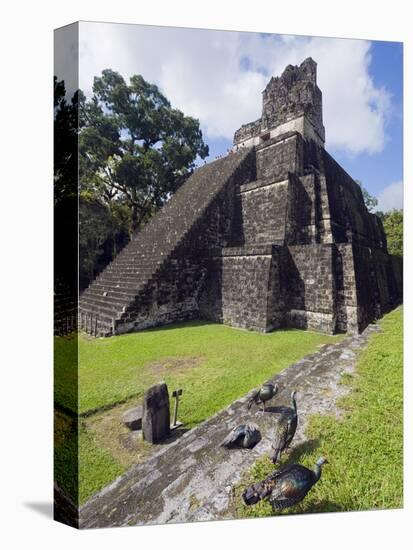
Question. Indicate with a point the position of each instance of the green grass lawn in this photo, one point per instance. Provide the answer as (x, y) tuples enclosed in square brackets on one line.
[(365, 448), (214, 364)]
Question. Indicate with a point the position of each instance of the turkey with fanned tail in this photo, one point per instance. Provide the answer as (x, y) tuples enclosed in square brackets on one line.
[(285, 487)]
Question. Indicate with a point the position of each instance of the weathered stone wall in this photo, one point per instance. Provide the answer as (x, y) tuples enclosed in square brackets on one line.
[(309, 287), (349, 215), (280, 156), (397, 268), (368, 284), (302, 224), (276, 305), (345, 289), (264, 212), (170, 296), (237, 286), (369, 278)]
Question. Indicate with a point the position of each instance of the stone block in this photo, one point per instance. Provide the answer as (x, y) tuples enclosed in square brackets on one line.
[(156, 413), (133, 418)]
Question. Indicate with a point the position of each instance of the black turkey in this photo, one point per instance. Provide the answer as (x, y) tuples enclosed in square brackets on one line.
[(285, 487), (264, 394), (285, 430), (245, 436)]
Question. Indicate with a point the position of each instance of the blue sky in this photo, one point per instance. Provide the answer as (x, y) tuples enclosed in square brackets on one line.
[(380, 172), (375, 171), (218, 77)]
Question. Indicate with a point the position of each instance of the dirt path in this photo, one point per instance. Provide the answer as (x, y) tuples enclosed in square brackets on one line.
[(192, 478)]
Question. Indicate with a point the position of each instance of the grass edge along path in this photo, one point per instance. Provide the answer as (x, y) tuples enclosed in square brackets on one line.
[(364, 447)]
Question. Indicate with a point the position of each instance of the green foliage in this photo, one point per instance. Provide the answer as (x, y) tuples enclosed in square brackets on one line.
[(392, 223), (364, 448), (133, 145), (65, 143), (135, 150), (369, 200), (103, 231), (393, 227)]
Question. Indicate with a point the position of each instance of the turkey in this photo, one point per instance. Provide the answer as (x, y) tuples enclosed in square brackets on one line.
[(285, 429), (245, 435), (285, 487), (264, 394)]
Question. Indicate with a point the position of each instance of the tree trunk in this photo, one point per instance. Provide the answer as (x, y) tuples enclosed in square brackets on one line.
[(134, 217)]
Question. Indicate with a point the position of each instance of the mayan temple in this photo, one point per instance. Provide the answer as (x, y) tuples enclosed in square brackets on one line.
[(275, 234)]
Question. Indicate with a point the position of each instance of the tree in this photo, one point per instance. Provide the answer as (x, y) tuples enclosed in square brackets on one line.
[(134, 147), (65, 190), (65, 143), (369, 200), (102, 233), (393, 227)]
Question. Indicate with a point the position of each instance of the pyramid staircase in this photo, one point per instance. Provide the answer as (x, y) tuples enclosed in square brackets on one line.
[(103, 304), (65, 308)]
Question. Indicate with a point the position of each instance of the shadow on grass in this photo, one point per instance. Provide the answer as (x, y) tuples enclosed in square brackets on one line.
[(185, 324), (303, 449), (195, 323), (318, 508), (297, 454)]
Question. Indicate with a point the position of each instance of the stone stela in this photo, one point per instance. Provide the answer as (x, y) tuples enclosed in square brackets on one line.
[(156, 414), (275, 234)]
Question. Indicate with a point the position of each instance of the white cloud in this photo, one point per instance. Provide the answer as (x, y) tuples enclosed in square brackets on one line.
[(218, 76), (391, 197)]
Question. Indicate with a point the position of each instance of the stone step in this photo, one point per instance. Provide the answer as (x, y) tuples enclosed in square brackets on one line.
[(158, 245), (119, 274), (104, 310), (132, 282), (130, 269), (140, 260), (138, 257), (110, 294), (122, 290), (98, 330), (65, 306), (143, 247), (107, 301), (64, 298), (86, 314)]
